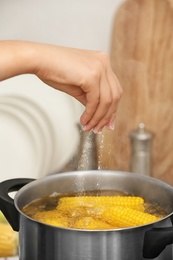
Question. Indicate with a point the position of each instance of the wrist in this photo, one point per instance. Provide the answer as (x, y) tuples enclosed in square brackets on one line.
[(17, 57), (27, 57)]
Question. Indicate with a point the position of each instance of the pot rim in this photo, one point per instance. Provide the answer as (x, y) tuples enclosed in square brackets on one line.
[(96, 172)]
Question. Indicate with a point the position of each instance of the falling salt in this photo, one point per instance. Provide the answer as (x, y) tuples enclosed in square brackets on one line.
[(100, 156), (109, 148), (80, 184), (89, 159)]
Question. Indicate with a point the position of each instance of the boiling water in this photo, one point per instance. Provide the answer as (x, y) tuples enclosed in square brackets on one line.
[(48, 203)]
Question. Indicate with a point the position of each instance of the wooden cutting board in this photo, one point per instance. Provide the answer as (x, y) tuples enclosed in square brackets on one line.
[(142, 58)]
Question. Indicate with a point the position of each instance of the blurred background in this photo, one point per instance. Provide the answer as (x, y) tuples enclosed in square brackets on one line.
[(26, 102)]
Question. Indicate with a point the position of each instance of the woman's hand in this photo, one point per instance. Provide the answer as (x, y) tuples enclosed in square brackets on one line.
[(85, 75)]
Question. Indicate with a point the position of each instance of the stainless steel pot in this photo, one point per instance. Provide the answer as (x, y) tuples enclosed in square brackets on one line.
[(39, 241)]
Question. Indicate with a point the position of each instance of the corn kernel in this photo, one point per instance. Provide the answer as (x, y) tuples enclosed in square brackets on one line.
[(53, 217), (126, 217), (91, 223), (90, 201)]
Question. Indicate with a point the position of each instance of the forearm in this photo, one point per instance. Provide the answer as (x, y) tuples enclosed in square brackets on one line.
[(16, 57)]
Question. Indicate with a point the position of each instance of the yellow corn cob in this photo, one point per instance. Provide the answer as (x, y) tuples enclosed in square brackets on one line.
[(72, 210), (97, 212), (52, 217), (90, 201), (61, 222), (91, 223), (44, 215), (8, 241), (126, 217)]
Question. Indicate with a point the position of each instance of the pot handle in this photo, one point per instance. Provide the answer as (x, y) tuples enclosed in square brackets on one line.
[(156, 240), (7, 203)]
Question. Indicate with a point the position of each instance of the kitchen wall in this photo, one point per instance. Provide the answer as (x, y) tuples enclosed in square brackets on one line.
[(74, 23)]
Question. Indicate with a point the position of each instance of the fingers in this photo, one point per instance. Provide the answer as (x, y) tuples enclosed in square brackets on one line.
[(102, 106), (117, 93), (99, 118), (92, 102), (108, 119), (91, 88)]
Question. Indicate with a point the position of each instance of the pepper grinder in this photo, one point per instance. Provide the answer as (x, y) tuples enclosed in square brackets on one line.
[(87, 151), (85, 157), (141, 143)]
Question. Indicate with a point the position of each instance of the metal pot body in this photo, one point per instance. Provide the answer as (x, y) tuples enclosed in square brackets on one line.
[(39, 241)]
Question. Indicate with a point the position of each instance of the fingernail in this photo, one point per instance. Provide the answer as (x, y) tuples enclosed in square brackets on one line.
[(111, 125), (83, 127), (97, 131)]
